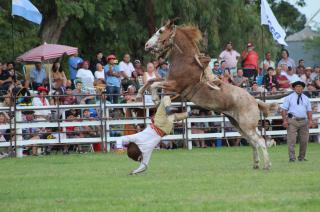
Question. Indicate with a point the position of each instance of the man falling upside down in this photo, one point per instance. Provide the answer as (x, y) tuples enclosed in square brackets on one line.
[(141, 145)]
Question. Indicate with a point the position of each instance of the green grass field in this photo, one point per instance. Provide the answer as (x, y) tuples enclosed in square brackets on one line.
[(178, 180)]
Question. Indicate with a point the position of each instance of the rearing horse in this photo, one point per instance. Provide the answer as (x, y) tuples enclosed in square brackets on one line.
[(180, 45)]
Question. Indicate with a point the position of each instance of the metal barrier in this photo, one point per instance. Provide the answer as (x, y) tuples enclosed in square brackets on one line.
[(106, 124)]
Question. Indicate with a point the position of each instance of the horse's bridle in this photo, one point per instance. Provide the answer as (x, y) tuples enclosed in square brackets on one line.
[(170, 45)]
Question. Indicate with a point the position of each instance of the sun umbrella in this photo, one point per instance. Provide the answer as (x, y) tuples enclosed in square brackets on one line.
[(45, 52)]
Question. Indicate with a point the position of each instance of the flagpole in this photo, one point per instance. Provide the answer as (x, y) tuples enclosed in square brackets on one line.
[(12, 36)]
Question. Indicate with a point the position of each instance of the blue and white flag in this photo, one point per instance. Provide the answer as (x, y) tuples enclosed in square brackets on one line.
[(27, 10), (268, 18)]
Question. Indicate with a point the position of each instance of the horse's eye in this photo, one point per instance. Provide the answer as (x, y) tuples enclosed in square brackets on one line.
[(160, 31)]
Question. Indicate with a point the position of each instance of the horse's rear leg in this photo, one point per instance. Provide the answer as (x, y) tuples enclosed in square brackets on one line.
[(258, 142)]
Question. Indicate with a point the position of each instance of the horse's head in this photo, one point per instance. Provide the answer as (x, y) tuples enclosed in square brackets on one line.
[(161, 41)]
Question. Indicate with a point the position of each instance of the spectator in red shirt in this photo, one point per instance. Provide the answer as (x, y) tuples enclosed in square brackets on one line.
[(283, 81), (250, 60)]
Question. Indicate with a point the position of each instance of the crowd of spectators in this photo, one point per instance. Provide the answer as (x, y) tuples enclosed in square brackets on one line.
[(83, 81)]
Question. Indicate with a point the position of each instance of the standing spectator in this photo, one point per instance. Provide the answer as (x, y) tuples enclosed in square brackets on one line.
[(266, 63), (163, 70), (269, 80), (286, 60), (250, 60), (98, 59), (240, 80), (59, 78), (38, 76), (297, 118), (138, 68), (300, 68), (306, 77), (86, 77), (73, 62), (230, 56), (113, 79), (41, 100), (126, 69), (5, 80), (99, 73)]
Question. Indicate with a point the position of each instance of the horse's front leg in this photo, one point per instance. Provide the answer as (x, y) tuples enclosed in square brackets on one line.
[(166, 85)]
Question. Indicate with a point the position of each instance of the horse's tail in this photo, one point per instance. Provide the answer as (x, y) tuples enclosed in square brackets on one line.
[(266, 108)]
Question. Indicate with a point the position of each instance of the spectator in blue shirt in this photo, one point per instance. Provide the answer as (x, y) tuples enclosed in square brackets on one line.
[(113, 79), (73, 62), (163, 70), (216, 70), (38, 76)]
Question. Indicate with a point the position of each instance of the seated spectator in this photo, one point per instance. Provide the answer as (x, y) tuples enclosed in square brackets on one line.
[(311, 91), (136, 80), (59, 78), (269, 79), (113, 79), (306, 77), (89, 131), (82, 97), (163, 70), (274, 90), (216, 70), (4, 133), (41, 100), (150, 74), (138, 68), (130, 94), (69, 98), (290, 75), (256, 89), (72, 131), (86, 77), (283, 81), (315, 72), (239, 80), (259, 77), (5, 80), (31, 133), (227, 77), (287, 61), (38, 76)]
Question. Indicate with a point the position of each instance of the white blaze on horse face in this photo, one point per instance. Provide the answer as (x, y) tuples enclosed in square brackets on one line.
[(152, 42)]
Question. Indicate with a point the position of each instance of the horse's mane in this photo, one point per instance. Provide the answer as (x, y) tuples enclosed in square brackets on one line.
[(192, 32)]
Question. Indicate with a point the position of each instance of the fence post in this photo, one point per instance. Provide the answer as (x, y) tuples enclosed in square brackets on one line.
[(19, 147), (188, 132)]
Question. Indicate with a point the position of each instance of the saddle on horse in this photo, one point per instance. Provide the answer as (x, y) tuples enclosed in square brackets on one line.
[(207, 76)]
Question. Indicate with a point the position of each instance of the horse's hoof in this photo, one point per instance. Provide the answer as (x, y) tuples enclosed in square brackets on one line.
[(255, 166), (267, 168)]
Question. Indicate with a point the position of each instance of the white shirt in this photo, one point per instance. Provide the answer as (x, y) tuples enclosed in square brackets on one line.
[(99, 74), (292, 78), (126, 68), (230, 57), (299, 111), (86, 77), (37, 102)]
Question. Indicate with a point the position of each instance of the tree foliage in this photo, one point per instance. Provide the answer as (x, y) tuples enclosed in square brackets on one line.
[(121, 26)]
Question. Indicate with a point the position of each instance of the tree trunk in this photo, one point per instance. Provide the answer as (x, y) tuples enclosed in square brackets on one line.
[(151, 22), (52, 28)]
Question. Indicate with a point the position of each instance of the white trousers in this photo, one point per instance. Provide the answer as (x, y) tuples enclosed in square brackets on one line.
[(146, 141)]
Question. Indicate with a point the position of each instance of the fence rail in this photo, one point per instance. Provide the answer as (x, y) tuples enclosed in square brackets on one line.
[(106, 123)]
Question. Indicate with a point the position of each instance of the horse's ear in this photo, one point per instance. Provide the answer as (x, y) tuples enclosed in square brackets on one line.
[(170, 23)]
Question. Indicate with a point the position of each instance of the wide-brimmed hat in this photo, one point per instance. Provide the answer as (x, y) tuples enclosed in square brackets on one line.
[(298, 83)]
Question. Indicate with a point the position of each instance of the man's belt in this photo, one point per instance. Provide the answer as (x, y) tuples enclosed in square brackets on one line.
[(298, 119), (158, 130)]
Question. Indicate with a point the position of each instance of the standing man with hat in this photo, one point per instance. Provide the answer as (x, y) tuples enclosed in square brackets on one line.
[(297, 118), (250, 60)]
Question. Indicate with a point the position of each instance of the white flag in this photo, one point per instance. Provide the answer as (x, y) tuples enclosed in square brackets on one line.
[(268, 18)]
